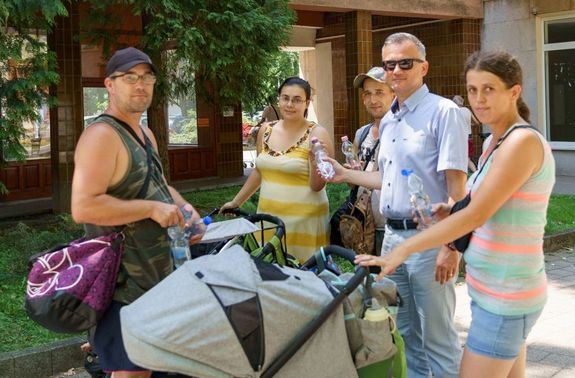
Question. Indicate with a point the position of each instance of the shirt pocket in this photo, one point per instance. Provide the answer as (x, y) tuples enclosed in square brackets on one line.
[(414, 142)]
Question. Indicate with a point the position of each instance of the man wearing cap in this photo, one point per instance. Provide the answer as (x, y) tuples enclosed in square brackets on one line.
[(422, 132), (377, 98), (111, 169)]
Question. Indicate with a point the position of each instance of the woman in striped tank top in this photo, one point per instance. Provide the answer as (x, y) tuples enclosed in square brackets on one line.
[(507, 214)]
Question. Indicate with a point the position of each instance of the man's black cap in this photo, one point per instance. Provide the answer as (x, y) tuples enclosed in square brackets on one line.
[(124, 59)]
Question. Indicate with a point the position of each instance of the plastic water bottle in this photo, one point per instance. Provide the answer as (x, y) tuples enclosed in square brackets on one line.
[(198, 227), (179, 246), (325, 167), (349, 152), (180, 238), (375, 312), (420, 202)]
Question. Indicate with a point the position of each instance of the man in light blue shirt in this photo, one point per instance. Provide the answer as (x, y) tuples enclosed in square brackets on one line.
[(422, 132)]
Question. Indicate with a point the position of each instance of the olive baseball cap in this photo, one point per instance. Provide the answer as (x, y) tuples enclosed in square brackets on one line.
[(124, 59), (375, 73)]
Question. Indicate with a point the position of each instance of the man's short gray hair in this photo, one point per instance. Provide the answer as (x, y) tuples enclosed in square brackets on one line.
[(399, 38)]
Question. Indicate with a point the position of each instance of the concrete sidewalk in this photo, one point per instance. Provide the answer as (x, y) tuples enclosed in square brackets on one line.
[(564, 185)]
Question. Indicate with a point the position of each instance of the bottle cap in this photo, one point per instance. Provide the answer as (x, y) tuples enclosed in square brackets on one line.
[(344, 138), (207, 220), (406, 172), (376, 315)]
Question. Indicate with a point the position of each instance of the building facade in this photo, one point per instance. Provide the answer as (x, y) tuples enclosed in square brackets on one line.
[(336, 40), (541, 34)]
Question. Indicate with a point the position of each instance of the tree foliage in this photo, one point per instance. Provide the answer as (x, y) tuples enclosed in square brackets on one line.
[(228, 48), (284, 65), (27, 69), (225, 47)]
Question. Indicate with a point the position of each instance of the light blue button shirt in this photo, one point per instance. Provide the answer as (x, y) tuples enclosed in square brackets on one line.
[(426, 135)]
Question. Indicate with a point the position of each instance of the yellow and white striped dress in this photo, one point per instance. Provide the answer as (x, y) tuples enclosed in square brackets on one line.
[(285, 193)]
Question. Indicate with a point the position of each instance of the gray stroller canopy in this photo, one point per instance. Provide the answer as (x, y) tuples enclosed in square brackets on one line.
[(228, 315)]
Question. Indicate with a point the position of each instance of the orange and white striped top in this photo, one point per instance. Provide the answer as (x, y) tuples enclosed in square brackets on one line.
[(505, 264)]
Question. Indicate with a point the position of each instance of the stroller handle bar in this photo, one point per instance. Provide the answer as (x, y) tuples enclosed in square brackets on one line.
[(336, 250), (235, 211)]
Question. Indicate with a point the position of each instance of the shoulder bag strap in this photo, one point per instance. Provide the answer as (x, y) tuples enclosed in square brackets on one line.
[(364, 134), (368, 155), (371, 151), (146, 185), (501, 139)]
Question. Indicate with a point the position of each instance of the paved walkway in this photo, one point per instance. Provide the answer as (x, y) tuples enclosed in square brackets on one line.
[(551, 344), (564, 185)]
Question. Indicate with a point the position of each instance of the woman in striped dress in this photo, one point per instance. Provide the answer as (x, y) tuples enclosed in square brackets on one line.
[(507, 214), (286, 172)]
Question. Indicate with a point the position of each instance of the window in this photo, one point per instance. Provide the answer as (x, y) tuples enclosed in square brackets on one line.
[(36, 137), (35, 132), (95, 102), (182, 121), (182, 116), (559, 66)]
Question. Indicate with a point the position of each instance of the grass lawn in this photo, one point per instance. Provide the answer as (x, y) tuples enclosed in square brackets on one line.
[(18, 242)]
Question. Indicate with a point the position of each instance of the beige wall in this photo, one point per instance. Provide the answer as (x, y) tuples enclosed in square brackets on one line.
[(315, 67)]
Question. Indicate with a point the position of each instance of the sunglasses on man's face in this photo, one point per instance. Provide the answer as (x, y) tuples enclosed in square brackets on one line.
[(404, 64)]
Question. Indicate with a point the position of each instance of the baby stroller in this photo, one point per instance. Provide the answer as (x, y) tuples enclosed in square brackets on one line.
[(230, 315)]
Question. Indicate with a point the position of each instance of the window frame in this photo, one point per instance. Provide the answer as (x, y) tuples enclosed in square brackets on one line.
[(542, 62)]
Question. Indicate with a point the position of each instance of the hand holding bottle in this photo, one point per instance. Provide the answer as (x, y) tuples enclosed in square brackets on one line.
[(181, 238), (420, 202), (194, 226), (324, 166)]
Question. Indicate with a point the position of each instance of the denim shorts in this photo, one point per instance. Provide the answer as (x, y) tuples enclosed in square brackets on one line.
[(108, 342), (498, 336)]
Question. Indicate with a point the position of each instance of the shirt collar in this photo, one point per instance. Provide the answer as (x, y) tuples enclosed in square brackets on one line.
[(412, 101)]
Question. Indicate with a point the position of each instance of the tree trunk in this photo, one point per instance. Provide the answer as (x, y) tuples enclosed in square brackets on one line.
[(157, 112), (157, 123)]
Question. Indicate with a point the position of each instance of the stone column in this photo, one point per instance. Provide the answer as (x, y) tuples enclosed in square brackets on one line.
[(66, 120)]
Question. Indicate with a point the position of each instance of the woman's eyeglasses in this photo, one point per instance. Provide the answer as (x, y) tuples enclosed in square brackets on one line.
[(404, 64), (294, 100), (132, 78)]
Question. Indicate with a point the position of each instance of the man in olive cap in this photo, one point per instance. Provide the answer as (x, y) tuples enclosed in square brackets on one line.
[(377, 97), (109, 189)]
